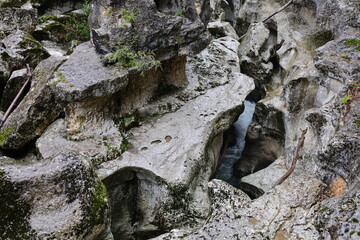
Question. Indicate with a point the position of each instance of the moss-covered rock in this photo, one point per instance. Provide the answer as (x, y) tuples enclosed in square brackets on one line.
[(26, 47), (59, 198)]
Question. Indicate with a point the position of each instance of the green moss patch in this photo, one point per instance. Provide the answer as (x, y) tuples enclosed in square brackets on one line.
[(3, 134)]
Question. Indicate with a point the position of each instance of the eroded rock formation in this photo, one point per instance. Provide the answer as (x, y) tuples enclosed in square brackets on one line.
[(118, 137)]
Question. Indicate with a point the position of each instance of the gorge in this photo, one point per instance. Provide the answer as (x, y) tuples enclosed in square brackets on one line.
[(136, 107)]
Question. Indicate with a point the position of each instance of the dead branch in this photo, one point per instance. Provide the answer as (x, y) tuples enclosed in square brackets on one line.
[(295, 158), (13, 103), (271, 15)]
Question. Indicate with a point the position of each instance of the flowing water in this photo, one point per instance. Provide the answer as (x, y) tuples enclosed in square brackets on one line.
[(225, 171)]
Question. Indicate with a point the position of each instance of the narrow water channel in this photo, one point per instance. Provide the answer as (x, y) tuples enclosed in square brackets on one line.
[(233, 154)]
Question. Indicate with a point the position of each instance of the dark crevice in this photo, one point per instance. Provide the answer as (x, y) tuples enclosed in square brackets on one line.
[(22, 153)]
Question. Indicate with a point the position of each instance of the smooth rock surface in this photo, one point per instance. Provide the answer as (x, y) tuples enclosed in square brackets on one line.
[(83, 75)]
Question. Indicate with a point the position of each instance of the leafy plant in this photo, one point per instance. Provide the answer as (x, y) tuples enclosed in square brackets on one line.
[(126, 57), (128, 15), (353, 42), (179, 12), (346, 100)]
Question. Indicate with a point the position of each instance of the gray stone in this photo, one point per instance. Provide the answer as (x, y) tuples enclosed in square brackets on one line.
[(288, 211), (12, 87), (267, 177), (24, 46), (36, 111), (58, 198), (168, 29), (83, 75), (166, 200), (13, 19), (254, 53), (222, 29)]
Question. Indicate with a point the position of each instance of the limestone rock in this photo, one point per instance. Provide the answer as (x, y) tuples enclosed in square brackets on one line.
[(13, 19), (222, 29), (339, 216), (14, 84), (168, 29), (255, 53), (267, 177), (178, 140), (24, 45), (222, 10), (83, 75), (73, 202), (288, 211), (36, 111)]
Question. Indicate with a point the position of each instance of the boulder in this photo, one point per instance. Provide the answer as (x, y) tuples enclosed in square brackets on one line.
[(83, 76), (222, 29), (13, 19), (255, 53), (167, 29), (58, 198), (266, 178), (22, 44), (12, 87), (36, 111)]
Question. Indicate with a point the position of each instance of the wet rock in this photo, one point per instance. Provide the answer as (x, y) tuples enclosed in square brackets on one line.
[(13, 19), (222, 29), (286, 211), (13, 85), (83, 75), (73, 202), (24, 45), (168, 29), (36, 111)]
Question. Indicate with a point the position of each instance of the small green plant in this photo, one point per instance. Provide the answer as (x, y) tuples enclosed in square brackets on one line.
[(128, 15), (110, 11), (353, 42), (345, 56), (179, 12), (60, 78), (128, 58), (46, 18), (346, 100)]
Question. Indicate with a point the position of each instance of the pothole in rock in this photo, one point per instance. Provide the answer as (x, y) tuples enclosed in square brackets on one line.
[(255, 141)]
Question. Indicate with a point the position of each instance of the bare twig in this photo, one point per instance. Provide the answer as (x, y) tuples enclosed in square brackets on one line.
[(277, 11), (13, 103), (295, 158), (271, 15)]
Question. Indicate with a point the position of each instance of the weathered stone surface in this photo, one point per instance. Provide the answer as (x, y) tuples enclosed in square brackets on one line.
[(286, 212), (12, 87), (267, 177), (222, 10), (255, 53), (12, 19), (24, 45), (222, 29), (155, 146), (83, 75), (36, 111), (58, 198), (168, 28), (338, 217)]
